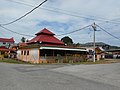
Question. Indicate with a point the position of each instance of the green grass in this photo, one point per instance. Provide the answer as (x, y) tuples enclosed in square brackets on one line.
[(7, 60)]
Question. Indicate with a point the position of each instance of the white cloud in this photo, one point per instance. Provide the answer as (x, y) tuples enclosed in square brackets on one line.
[(96, 9)]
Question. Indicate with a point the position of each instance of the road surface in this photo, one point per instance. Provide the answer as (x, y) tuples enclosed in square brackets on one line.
[(59, 77)]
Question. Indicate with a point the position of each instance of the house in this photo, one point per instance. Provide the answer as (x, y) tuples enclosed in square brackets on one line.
[(100, 50), (7, 42), (7, 53), (103, 50), (46, 48), (99, 53), (6, 47), (113, 54)]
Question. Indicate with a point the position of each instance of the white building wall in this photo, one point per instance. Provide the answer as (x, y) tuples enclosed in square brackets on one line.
[(32, 57), (18, 54), (34, 54), (6, 44)]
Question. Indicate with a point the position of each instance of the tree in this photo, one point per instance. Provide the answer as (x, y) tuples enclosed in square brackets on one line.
[(23, 39), (76, 44), (67, 40), (27, 40)]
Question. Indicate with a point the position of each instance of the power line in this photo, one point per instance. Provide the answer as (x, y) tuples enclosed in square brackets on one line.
[(107, 32), (24, 14), (15, 32), (103, 20), (57, 11), (110, 21), (51, 8), (21, 3), (26, 4), (74, 31)]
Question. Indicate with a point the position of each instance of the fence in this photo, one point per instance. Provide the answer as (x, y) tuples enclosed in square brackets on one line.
[(64, 59)]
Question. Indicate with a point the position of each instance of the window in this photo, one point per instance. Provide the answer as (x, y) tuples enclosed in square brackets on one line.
[(24, 52), (27, 52), (4, 43), (21, 52)]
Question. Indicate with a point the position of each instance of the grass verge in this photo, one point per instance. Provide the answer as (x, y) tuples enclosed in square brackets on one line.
[(8, 60)]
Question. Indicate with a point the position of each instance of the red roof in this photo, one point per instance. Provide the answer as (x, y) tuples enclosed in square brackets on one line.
[(45, 31), (7, 40), (46, 37), (5, 49)]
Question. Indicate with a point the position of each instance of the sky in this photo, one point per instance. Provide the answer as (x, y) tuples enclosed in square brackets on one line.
[(63, 16)]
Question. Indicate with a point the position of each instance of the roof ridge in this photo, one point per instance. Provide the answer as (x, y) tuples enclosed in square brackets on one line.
[(45, 31)]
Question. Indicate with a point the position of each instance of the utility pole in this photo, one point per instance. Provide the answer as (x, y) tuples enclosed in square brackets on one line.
[(94, 28)]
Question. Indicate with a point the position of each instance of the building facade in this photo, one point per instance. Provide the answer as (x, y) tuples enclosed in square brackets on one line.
[(6, 49), (46, 48), (7, 42)]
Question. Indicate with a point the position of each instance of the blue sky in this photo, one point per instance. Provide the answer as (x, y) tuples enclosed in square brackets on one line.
[(61, 16)]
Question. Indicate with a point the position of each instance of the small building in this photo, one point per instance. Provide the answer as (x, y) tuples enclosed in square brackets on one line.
[(46, 48), (99, 53), (7, 53), (7, 42), (6, 48), (113, 54)]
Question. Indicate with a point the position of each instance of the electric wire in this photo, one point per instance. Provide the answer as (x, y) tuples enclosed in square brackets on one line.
[(74, 31), (24, 14), (57, 11), (2, 25), (53, 10), (79, 16), (15, 32), (107, 32), (34, 36)]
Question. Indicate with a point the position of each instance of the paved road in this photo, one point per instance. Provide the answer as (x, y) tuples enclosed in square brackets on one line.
[(104, 73), (54, 77)]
